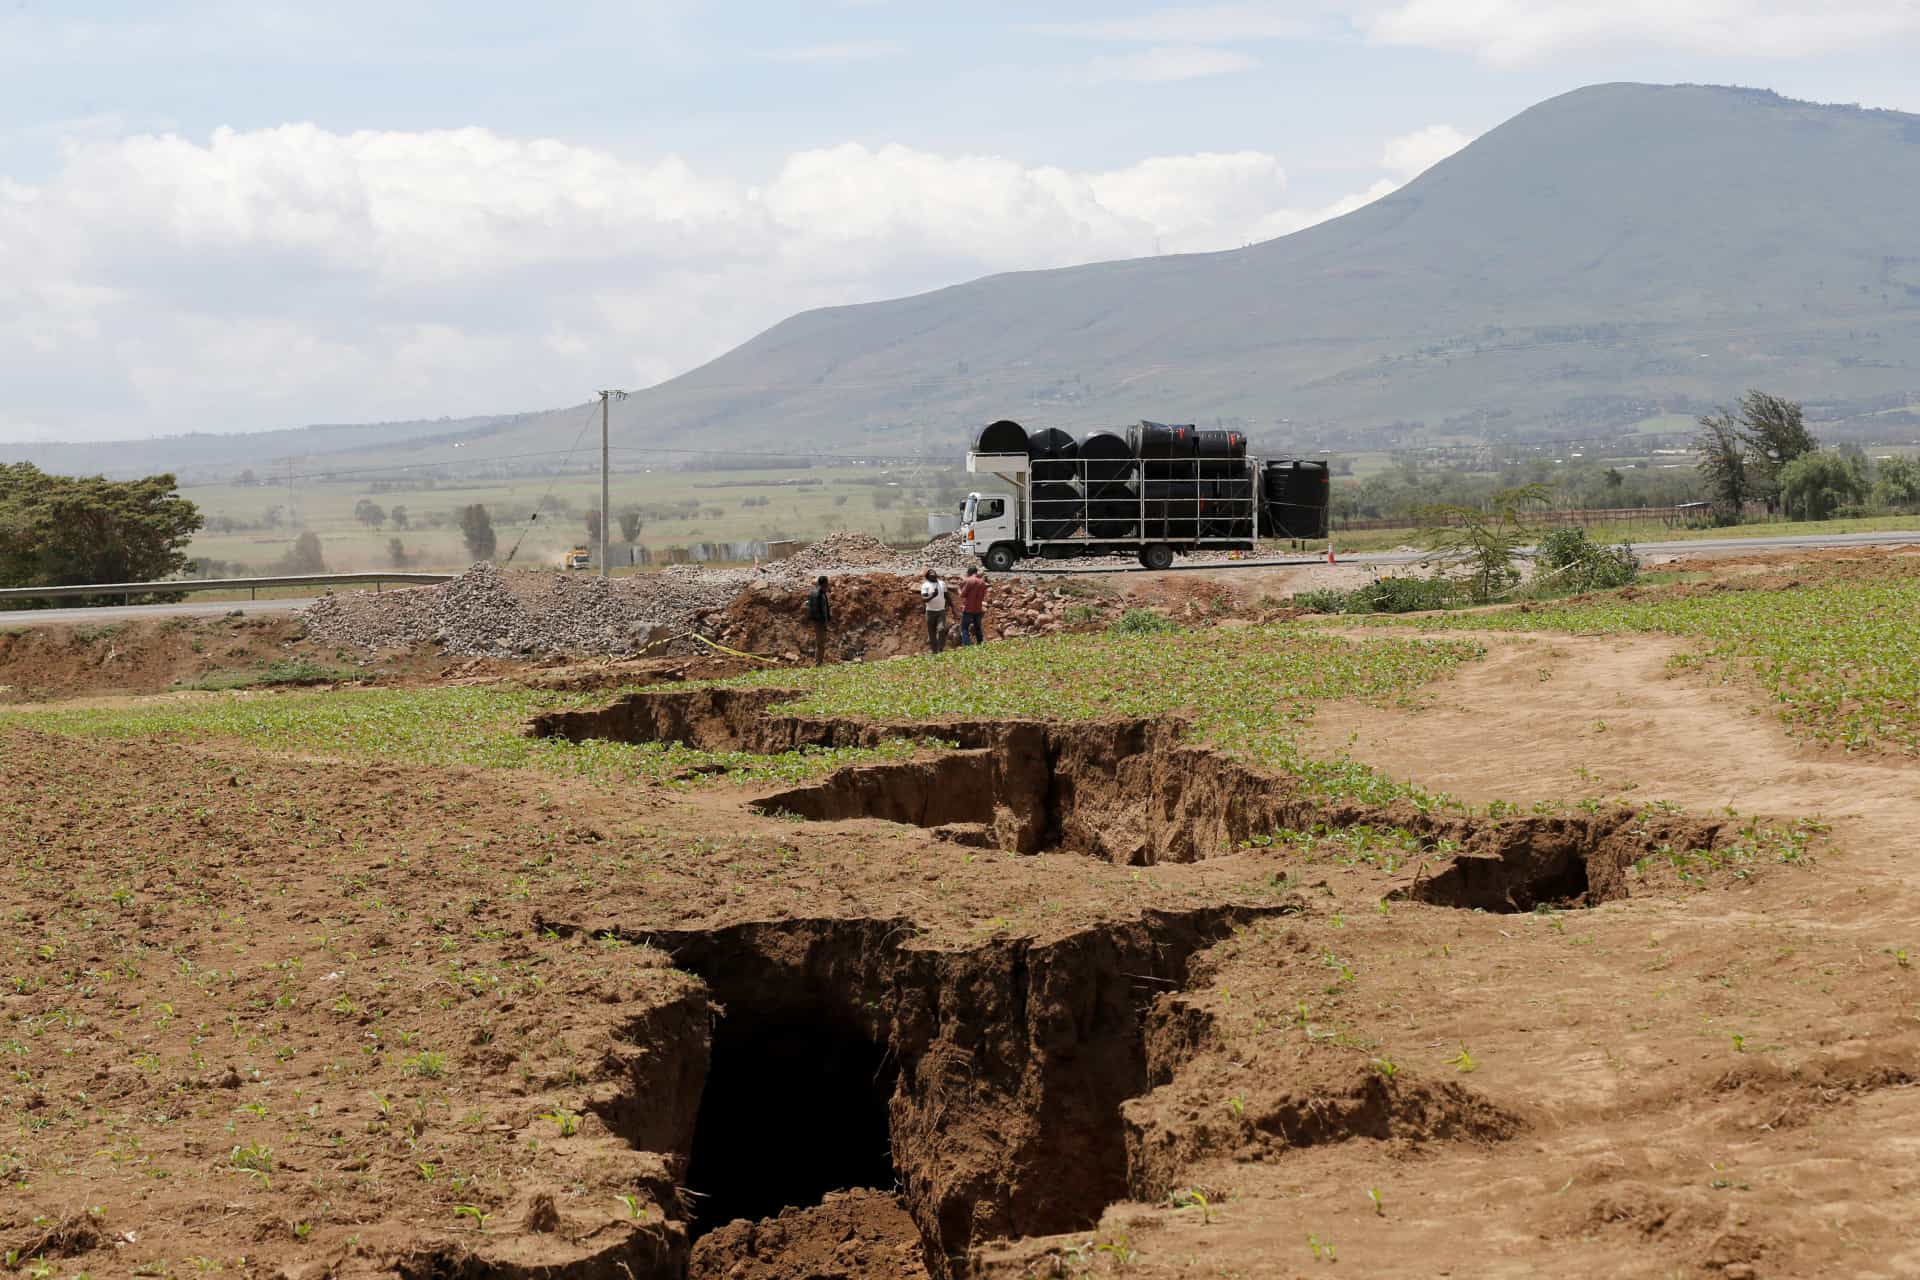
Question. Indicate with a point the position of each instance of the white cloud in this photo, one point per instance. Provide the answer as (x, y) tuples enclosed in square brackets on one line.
[(286, 275), (1170, 63), (1412, 154), (1200, 24), (851, 51), (1514, 31)]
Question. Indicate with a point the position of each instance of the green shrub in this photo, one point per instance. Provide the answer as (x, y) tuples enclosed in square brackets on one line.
[(1137, 622), (1384, 595), (1569, 560), (1405, 595), (1323, 600)]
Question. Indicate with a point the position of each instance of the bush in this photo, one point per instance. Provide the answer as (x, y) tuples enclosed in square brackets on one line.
[(1384, 595), (1140, 622), (1323, 600), (1568, 559)]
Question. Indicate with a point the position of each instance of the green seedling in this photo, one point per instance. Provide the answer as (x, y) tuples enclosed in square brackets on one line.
[(1463, 1061)]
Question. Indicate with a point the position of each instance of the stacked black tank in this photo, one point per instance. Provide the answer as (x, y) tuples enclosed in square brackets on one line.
[(1296, 495), (1195, 483), (1187, 484)]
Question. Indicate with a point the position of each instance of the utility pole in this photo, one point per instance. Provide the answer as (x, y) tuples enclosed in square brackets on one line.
[(606, 514)]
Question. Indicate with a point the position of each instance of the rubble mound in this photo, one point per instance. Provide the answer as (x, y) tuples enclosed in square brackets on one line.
[(839, 551), (490, 613)]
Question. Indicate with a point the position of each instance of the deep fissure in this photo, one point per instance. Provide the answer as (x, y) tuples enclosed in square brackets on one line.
[(982, 1084), (794, 1107), (1139, 792)]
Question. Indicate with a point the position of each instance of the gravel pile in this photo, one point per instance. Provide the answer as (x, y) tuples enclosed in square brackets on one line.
[(487, 613), (838, 551), (947, 553)]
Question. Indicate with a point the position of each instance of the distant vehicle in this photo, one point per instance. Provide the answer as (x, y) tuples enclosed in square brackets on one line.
[(577, 558), (1155, 492)]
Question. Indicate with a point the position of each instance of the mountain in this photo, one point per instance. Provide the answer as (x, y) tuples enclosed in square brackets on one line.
[(1607, 255)]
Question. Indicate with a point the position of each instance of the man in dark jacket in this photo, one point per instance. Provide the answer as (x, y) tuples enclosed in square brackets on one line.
[(973, 606), (819, 613)]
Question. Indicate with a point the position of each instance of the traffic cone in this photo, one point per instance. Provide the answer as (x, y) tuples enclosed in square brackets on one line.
[(1330, 559)]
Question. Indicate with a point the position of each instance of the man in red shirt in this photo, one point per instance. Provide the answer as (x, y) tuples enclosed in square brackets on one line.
[(973, 603)]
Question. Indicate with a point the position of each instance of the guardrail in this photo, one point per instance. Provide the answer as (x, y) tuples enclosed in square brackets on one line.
[(128, 590)]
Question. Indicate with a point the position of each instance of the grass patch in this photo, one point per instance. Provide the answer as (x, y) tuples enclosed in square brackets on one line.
[(1245, 690), (474, 726), (284, 673)]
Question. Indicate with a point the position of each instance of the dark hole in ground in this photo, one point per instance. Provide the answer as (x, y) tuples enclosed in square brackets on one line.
[(793, 1108)]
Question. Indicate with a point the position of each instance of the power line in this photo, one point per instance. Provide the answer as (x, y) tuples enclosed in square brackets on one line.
[(586, 420)]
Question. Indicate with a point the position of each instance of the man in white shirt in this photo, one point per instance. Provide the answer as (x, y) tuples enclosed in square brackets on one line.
[(934, 592)]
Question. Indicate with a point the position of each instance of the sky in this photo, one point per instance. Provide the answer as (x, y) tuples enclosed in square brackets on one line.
[(238, 215)]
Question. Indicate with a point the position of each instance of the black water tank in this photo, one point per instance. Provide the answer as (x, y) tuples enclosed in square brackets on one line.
[(1220, 444), (1109, 458), (1113, 517), (1053, 453), (1160, 440), (1004, 436), (1057, 509), (1296, 495)]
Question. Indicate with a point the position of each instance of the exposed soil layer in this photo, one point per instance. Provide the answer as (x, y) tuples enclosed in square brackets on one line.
[(987, 1080), (851, 1235), (1137, 792)]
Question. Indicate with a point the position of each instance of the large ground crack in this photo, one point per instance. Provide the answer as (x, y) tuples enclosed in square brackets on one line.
[(985, 1083)]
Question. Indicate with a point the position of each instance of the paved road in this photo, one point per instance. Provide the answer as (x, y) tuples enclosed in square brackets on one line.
[(121, 612), (1705, 547), (1695, 547)]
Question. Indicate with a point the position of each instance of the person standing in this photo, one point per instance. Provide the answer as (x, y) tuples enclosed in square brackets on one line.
[(819, 613), (934, 592), (973, 607)]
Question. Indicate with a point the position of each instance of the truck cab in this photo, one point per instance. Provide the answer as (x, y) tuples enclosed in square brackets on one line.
[(990, 524)]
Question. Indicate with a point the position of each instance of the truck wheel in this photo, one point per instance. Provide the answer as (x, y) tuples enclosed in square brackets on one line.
[(1000, 557), (1156, 555)]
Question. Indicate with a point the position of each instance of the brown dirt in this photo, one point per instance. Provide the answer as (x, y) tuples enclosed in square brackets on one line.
[(1156, 1046), (150, 655), (852, 1235)]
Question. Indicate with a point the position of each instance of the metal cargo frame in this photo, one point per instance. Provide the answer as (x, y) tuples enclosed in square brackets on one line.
[(1180, 522)]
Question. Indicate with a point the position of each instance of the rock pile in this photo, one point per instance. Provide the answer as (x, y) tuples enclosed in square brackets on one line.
[(947, 553), (838, 551), (486, 612)]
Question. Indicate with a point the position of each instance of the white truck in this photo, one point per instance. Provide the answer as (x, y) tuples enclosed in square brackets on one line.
[(1157, 491)]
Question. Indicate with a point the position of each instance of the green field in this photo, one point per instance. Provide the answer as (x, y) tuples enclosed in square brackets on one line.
[(1644, 531), (1245, 689), (682, 507)]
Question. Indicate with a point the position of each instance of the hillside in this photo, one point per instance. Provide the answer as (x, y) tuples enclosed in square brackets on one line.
[(1609, 253), (1615, 248)]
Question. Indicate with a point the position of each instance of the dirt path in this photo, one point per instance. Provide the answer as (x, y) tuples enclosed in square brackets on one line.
[(1568, 717)]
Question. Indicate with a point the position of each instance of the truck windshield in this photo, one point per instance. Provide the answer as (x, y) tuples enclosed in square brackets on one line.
[(991, 508)]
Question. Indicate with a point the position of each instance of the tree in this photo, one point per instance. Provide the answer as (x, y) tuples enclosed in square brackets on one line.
[(1775, 435), (247, 477), (593, 525), (1898, 484), (399, 517), (630, 524), (1814, 485), (1723, 462), (397, 553), (476, 530), (369, 513), (68, 530), (304, 555), (1485, 540)]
